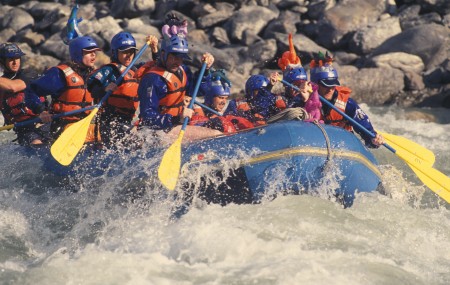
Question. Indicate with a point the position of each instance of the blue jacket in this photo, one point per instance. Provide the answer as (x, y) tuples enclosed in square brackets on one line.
[(353, 110), (152, 89)]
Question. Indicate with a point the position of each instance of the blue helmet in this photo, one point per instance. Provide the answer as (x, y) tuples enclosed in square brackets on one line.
[(255, 83), (10, 50), (295, 74), (122, 41), (215, 88), (176, 44), (77, 45), (325, 75)]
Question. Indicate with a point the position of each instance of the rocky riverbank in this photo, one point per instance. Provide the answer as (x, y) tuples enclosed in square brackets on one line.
[(388, 52)]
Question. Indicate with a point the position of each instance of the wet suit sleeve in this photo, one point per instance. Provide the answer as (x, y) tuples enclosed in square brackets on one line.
[(151, 90), (51, 83), (355, 112)]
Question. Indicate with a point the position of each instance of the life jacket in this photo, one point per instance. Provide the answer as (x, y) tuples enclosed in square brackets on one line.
[(144, 69), (18, 111), (124, 99), (74, 97), (173, 102), (333, 117), (280, 102), (240, 123), (215, 122)]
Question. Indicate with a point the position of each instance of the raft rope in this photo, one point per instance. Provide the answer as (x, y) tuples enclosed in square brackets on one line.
[(327, 140), (289, 114)]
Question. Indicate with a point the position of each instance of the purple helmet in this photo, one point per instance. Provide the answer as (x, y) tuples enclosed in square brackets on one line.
[(10, 50), (77, 45), (325, 75), (254, 83), (122, 41)]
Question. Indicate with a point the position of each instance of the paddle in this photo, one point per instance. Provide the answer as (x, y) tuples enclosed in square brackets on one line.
[(37, 119), (70, 142), (169, 169), (438, 182), (208, 108)]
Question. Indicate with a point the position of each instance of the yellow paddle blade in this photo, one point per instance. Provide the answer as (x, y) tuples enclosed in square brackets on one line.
[(7, 127), (437, 181), (70, 142), (411, 148), (169, 169)]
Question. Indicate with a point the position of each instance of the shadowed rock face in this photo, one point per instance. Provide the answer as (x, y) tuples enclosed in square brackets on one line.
[(386, 52)]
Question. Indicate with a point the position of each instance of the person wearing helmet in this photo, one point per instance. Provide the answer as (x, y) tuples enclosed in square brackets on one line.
[(262, 102), (13, 82), (66, 83), (216, 92), (120, 107), (307, 97), (163, 87), (326, 77)]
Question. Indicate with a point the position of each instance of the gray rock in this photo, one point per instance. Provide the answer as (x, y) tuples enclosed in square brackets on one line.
[(400, 60), (16, 19), (368, 38), (429, 42), (131, 8), (250, 19)]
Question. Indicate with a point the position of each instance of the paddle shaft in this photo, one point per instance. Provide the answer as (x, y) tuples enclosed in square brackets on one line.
[(208, 108), (194, 95)]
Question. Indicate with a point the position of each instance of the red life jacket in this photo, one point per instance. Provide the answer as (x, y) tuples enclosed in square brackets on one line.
[(125, 99), (18, 112), (173, 102), (334, 118), (280, 102), (239, 123), (75, 96)]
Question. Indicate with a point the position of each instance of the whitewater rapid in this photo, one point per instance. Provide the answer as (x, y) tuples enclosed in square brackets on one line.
[(56, 231)]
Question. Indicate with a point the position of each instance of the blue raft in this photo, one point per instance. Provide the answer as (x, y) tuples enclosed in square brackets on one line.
[(291, 157)]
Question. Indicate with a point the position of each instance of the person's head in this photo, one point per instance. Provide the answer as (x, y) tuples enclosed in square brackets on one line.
[(10, 56), (296, 76), (174, 51), (83, 50), (217, 93), (254, 85), (123, 48)]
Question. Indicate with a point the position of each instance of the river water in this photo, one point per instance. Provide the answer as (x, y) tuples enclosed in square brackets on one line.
[(83, 231)]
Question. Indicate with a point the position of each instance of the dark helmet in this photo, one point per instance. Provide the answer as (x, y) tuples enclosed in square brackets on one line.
[(10, 50), (325, 75), (176, 44), (295, 74), (77, 45), (122, 41), (254, 83)]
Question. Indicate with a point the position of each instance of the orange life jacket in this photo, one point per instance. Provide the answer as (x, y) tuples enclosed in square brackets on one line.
[(173, 102), (75, 97), (334, 118), (144, 69), (18, 111), (125, 99)]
